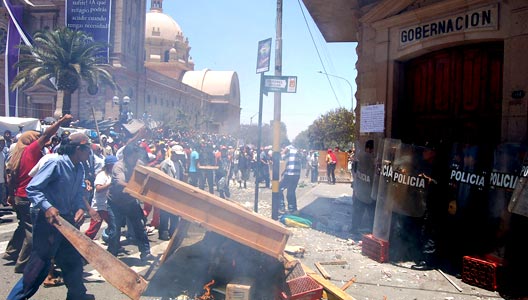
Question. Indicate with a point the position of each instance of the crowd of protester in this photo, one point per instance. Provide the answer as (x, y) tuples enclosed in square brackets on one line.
[(40, 175)]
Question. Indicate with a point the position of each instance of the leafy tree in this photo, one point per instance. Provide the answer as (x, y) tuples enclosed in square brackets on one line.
[(302, 140), (67, 56), (335, 128)]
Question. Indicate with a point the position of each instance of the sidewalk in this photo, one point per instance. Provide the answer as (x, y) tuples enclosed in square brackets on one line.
[(330, 209)]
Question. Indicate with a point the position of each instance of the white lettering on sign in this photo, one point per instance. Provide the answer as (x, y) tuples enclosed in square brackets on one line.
[(524, 171), (363, 176), (402, 178), (502, 180), (405, 179), (485, 18), (275, 83), (466, 177), (387, 171)]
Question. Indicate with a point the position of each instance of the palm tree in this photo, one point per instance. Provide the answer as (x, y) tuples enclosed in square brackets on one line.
[(66, 57)]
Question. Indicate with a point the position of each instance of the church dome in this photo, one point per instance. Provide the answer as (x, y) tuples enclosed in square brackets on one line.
[(162, 26)]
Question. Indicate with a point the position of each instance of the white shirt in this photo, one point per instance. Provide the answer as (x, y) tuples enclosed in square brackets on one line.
[(99, 201)]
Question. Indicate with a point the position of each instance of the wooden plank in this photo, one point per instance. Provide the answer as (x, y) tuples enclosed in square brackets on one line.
[(334, 263), (348, 284), (322, 270), (333, 292), (116, 272), (211, 212)]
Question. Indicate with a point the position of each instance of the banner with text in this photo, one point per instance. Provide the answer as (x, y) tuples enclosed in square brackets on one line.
[(92, 17)]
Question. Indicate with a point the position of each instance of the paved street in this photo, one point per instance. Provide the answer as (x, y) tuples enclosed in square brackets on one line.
[(328, 206)]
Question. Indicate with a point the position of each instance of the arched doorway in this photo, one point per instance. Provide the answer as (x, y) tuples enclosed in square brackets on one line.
[(452, 95)]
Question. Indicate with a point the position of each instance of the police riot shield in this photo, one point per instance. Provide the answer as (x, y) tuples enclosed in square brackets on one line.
[(468, 180), (504, 176), (468, 222), (410, 176), (383, 213), (406, 179), (363, 175), (519, 200), (377, 171)]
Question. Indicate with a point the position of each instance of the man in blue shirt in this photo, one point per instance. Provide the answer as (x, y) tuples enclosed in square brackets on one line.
[(56, 189), (193, 166)]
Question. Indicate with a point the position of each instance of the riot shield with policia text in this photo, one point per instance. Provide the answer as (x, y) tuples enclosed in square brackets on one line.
[(383, 213), (377, 171), (507, 167), (468, 224), (504, 176), (363, 176), (405, 181), (411, 176), (519, 200)]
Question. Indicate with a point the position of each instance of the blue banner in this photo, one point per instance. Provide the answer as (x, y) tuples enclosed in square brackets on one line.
[(12, 54), (91, 16)]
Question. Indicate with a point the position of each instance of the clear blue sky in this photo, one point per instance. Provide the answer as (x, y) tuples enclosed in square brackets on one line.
[(224, 36)]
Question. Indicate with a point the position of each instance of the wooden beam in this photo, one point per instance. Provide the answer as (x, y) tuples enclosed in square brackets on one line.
[(116, 272), (222, 216), (322, 270), (334, 262)]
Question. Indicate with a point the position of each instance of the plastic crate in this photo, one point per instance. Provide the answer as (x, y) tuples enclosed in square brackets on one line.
[(302, 288), (295, 272), (374, 248), (481, 272)]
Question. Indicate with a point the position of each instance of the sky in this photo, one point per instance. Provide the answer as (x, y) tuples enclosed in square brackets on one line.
[(224, 35)]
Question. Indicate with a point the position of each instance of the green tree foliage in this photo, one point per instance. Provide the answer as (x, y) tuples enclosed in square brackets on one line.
[(302, 140), (335, 128), (66, 56)]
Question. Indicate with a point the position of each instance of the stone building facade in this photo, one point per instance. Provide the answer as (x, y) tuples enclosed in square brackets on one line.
[(149, 66), (449, 76), (396, 37)]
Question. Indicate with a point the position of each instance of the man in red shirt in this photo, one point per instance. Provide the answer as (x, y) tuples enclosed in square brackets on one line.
[(25, 155)]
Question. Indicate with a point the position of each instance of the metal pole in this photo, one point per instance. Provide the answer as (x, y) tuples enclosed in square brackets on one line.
[(275, 197), (259, 143)]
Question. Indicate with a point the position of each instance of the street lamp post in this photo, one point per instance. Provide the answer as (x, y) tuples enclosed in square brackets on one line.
[(123, 107), (348, 82), (251, 119)]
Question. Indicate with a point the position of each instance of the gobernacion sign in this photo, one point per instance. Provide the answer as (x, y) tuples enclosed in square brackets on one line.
[(484, 18), (92, 17), (280, 84)]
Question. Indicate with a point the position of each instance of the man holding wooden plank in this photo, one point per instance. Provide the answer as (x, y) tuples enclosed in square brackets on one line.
[(57, 190)]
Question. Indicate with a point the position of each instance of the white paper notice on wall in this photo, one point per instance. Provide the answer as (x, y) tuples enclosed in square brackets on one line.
[(372, 118)]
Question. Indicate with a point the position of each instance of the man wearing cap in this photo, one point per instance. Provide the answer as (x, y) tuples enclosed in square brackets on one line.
[(24, 156), (57, 189)]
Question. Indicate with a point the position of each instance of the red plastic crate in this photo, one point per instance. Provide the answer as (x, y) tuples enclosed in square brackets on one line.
[(481, 272), (374, 248), (302, 288)]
